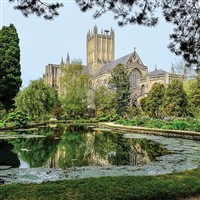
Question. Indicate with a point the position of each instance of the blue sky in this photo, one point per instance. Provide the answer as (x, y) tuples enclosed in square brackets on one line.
[(44, 42)]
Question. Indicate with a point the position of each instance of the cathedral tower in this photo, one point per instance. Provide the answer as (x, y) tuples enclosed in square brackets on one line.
[(100, 48)]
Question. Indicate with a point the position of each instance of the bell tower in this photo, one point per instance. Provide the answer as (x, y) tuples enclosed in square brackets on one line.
[(100, 48)]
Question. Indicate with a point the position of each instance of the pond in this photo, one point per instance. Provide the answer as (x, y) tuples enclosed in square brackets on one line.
[(77, 152)]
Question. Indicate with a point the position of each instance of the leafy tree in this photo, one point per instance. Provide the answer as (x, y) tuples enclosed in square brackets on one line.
[(175, 99), (38, 7), (121, 84), (193, 92), (74, 89), (184, 15), (155, 100), (195, 96), (104, 99), (37, 100), (10, 74)]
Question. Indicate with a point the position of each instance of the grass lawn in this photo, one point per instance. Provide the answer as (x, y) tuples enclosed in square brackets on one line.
[(168, 187)]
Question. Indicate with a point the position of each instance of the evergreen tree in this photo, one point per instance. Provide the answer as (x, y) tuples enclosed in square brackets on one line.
[(175, 99), (10, 74), (155, 100), (121, 84), (193, 92), (195, 98), (74, 89), (37, 100)]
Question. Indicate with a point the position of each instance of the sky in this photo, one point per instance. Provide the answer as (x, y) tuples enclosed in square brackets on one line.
[(43, 42)]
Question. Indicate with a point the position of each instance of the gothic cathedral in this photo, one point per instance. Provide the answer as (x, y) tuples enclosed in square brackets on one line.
[(100, 49)]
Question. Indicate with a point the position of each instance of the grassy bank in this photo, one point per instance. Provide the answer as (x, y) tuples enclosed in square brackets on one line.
[(190, 124), (168, 187)]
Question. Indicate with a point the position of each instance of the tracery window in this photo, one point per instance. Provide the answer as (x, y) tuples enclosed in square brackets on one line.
[(134, 78)]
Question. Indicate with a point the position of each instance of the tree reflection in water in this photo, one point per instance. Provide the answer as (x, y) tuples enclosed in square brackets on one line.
[(81, 146)]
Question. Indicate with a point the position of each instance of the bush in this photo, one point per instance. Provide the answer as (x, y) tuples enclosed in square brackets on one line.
[(180, 125), (17, 119), (154, 123)]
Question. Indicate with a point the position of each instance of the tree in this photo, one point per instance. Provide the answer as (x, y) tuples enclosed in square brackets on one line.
[(193, 92), (175, 99), (74, 89), (184, 15), (37, 100), (10, 74), (155, 100), (121, 84), (104, 99)]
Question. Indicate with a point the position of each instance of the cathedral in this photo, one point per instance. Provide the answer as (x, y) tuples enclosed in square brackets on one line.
[(100, 51)]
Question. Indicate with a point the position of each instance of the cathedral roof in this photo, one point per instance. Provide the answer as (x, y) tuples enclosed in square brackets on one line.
[(109, 66), (86, 69), (157, 72)]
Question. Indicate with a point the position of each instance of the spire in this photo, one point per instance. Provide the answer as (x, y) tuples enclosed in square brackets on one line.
[(134, 49), (68, 59), (155, 67), (112, 33), (95, 29), (62, 61), (172, 69)]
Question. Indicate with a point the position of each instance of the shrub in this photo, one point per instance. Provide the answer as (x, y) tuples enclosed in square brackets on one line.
[(180, 125), (17, 119)]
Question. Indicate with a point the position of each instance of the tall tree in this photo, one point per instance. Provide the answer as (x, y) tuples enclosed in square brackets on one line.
[(37, 100), (155, 100), (10, 69), (175, 99), (74, 89), (184, 15), (121, 84), (192, 89), (104, 99)]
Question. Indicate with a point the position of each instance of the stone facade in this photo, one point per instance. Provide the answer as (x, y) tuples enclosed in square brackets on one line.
[(100, 63)]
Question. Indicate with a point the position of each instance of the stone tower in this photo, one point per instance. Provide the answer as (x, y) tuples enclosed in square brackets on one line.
[(100, 48)]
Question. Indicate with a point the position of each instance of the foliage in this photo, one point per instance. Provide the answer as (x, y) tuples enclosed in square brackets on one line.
[(37, 100), (153, 104), (40, 8), (171, 186), (104, 99), (171, 124), (105, 117), (10, 74), (74, 90), (16, 119), (133, 111), (121, 84), (191, 88), (175, 99), (58, 111)]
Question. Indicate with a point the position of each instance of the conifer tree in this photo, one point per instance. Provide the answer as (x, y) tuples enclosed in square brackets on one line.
[(155, 100), (10, 74), (121, 84), (175, 99)]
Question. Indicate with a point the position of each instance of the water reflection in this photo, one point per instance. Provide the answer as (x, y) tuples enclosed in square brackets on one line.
[(79, 146)]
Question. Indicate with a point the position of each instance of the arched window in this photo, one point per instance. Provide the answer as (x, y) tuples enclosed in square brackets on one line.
[(134, 78)]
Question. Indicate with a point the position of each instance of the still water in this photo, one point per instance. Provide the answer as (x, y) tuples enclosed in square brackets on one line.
[(65, 147)]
